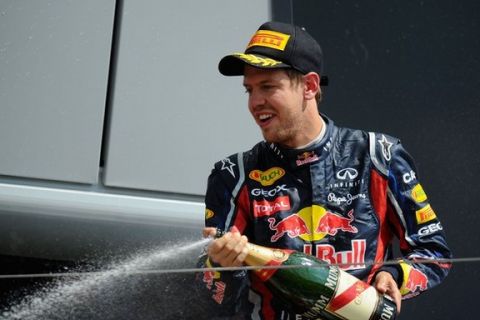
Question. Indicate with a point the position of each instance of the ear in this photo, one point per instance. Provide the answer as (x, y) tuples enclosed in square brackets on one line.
[(312, 85)]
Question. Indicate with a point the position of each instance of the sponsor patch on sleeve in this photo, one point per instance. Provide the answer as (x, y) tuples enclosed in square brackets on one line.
[(425, 214), (208, 214), (414, 281), (418, 194)]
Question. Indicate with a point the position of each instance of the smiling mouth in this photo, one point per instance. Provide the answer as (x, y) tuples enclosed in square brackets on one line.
[(264, 118)]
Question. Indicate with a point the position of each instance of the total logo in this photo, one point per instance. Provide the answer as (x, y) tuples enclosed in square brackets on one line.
[(267, 177), (311, 224), (264, 207)]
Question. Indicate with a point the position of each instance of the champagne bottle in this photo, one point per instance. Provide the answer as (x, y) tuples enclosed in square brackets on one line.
[(317, 290)]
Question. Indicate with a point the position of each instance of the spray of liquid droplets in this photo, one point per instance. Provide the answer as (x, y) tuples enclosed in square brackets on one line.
[(120, 292)]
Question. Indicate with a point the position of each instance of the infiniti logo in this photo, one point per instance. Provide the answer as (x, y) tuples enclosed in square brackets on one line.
[(347, 173)]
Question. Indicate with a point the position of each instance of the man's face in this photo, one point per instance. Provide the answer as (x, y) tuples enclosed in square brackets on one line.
[(277, 105)]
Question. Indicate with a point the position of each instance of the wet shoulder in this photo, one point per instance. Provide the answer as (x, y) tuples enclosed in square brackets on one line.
[(348, 142)]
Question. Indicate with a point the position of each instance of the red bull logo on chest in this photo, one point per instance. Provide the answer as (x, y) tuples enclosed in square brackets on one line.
[(348, 259), (311, 224)]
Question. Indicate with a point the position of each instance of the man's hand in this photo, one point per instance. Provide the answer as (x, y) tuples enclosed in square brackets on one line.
[(229, 250), (385, 284)]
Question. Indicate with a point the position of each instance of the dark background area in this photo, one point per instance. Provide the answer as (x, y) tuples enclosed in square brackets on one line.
[(410, 69)]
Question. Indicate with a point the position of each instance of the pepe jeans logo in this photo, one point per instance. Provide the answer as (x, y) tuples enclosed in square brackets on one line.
[(268, 177), (347, 199), (347, 174)]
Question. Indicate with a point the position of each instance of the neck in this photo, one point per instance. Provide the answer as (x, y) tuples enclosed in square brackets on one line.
[(319, 136)]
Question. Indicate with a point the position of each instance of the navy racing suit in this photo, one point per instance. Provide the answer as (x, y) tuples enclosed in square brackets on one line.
[(342, 200)]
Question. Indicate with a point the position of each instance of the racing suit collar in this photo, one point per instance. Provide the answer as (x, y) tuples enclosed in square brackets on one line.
[(309, 155)]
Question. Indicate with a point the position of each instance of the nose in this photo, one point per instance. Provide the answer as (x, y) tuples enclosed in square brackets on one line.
[(255, 100)]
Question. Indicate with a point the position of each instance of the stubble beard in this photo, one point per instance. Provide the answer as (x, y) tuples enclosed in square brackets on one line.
[(283, 136)]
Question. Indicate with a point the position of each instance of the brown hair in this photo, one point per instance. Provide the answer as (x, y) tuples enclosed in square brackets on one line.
[(296, 77)]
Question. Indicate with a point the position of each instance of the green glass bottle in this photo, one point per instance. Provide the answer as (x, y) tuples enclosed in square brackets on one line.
[(317, 290)]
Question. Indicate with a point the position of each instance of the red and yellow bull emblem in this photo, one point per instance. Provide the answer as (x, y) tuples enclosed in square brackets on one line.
[(425, 214), (268, 177), (306, 157), (210, 278), (414, 281), (312, 224), (208, 214), (270, 39), (418, 194)]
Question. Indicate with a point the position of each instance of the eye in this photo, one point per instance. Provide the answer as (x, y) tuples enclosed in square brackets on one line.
[(267, 87)]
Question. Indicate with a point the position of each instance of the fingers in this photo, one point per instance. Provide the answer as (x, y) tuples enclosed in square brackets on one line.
[(385, 284), (209, 232), (229, 250), (237, 251)]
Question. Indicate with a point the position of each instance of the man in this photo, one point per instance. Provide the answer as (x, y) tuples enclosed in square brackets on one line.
[(338, 194)]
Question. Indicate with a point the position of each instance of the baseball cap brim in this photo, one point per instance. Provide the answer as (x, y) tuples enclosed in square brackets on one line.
[(234, 64)]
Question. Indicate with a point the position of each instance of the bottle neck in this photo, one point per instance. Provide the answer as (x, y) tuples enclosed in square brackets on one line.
[(263, 256)]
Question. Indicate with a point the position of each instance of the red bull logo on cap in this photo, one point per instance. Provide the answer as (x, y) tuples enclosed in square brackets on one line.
[(312, 224)]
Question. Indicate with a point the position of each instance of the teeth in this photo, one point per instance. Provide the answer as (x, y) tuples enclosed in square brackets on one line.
[(264, 116)]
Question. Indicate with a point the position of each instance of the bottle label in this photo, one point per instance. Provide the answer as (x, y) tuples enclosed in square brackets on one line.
[(262, 256)]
